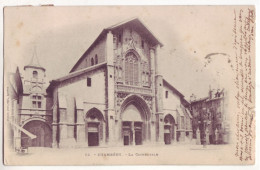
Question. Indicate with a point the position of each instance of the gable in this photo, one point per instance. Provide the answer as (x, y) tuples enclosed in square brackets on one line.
[(133, 23)]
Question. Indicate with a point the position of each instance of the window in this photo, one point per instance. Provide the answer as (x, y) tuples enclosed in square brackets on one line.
[(131, 69), (119, 38), (89, 82), (96, 59), (166, 94), (34, 104), (36, 101), (39, 104), (182, 122), (92, 61), (35, 74), (115, 42), (142, 44)]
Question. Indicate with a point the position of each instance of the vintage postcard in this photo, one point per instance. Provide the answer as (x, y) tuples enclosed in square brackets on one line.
[(129, 85)]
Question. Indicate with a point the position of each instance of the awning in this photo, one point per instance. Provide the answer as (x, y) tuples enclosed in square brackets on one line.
[(32, 136)]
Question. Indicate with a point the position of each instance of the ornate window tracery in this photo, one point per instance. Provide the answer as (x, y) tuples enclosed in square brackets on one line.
[(131, 69)]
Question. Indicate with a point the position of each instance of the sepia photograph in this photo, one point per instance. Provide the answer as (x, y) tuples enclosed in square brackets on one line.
[(129, 85)]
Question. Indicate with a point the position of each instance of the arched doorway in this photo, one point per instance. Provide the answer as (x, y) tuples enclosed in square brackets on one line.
[(135, 116), (94, 127), (41, 130), (169, 128)]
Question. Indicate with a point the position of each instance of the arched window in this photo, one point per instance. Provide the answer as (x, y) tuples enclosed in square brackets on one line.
[(96, 59), (92, 61), (131, 69), (35, 74)]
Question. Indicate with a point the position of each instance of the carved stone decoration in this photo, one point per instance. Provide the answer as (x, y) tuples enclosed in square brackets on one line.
[(148, 100), (120, 98), (119, 69), (131, 43)]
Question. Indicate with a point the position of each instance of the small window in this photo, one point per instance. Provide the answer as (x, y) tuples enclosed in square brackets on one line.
[(35, 74), (114, 39), (96, 59), (92, 61), (119, 38), (36, 101), (34, 104), (89, 82), (142, 44), (39, 104), (166, 94)]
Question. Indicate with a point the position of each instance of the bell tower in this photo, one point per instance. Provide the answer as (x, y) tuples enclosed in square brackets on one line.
[(34, 79)]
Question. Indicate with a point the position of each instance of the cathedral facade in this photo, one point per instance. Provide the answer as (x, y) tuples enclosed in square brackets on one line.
[(114, 95)]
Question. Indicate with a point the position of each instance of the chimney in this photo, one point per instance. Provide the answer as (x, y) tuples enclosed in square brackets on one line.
[(192, 98), (210, 92)]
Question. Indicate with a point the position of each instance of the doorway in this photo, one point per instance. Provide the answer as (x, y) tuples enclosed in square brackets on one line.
[(94, 128), (93, 134), (138, 137), (41, 130), (167, 138), (169, 129), (126, 140), (93, 139)]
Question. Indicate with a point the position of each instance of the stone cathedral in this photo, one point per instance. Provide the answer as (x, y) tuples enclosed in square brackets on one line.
[(115, 95)]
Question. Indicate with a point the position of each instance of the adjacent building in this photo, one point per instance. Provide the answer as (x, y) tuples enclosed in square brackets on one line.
[(114, 95), (210, 120), (14, 88), (30, 114)]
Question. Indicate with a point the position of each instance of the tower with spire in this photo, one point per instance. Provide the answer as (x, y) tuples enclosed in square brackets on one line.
[(34, 108), (34, 75)]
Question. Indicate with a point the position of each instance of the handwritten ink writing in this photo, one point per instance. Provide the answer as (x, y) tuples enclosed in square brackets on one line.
[(243, 42)]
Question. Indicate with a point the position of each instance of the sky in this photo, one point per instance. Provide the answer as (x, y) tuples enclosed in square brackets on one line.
[(61, 35)]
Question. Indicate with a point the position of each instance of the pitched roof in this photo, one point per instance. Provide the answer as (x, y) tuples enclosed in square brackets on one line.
[(199, 100), (34, 63), (172, 88), (74, 74), (137, 25)]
